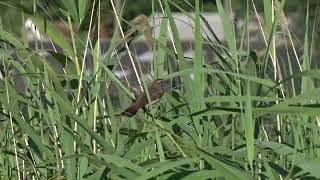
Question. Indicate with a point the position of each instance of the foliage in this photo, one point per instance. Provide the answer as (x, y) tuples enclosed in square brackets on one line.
[(247, 115)]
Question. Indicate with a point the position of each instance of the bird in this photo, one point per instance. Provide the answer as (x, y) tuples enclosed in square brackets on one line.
[(156, 91)]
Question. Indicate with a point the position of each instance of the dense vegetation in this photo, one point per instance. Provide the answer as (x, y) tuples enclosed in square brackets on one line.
[(247, 115)]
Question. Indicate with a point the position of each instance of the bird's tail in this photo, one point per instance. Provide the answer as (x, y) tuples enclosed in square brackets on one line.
[(130, 111)]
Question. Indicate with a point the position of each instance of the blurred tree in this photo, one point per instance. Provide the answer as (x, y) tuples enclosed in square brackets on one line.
[(6, 15), (52, 9)]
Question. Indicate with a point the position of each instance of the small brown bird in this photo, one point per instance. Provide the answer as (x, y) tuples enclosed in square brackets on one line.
[(156, 91)]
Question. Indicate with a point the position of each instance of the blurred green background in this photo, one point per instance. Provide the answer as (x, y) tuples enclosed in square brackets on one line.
[(12, 17)]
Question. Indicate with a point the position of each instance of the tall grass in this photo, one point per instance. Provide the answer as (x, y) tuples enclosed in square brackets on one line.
[(251, 114)]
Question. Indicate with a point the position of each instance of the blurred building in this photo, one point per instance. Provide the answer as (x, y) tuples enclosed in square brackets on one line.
[(185, 25)]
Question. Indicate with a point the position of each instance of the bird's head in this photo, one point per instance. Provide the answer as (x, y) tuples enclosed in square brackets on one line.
[(163, 83)]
